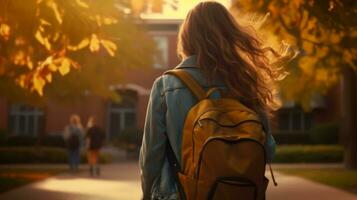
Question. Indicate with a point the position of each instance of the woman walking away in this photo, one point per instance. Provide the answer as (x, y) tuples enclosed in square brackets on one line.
[(207, 134), (95, 138), (73, 135)]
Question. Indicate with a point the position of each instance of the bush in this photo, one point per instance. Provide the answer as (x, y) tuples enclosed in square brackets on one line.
[(308, 154), (2, 137), (23, 140), (129, 138), (25, 155), (292, 138), (20, 140), (53, 141), (326, 133)]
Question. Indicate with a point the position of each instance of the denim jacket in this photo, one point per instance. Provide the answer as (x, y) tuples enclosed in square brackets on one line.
[(168, 106)]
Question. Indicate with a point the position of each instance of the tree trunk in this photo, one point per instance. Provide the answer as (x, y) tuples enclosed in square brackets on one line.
[(349, 116)]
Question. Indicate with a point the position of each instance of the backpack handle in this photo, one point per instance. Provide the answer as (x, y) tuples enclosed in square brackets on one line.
[(190, 83)]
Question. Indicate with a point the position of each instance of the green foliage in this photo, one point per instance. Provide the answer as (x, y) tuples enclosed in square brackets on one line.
[(17, 155), (327, 133), (308, 154)]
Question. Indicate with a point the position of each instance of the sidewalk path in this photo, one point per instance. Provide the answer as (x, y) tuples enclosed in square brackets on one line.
[(121, 181), (117, 181)]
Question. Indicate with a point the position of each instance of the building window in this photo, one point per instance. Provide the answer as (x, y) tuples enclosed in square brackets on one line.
[(294, 120), (162, 57), (25, 120), (122, 115)]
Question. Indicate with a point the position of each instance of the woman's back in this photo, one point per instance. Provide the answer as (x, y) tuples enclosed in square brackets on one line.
[(168, 107), (216, 51)]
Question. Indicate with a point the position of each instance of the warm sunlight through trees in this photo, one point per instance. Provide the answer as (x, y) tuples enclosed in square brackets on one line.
[(42, 40), (325, 33)]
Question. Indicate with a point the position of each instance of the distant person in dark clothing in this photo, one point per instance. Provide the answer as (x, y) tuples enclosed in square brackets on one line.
[(73, 135), (95, 138)]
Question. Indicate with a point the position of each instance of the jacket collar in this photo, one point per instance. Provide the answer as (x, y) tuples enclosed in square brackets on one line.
[(189, 62)]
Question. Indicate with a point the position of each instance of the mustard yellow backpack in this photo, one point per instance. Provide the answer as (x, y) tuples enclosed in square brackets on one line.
[(223, 156)]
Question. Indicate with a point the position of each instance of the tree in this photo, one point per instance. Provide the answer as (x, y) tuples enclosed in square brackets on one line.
[(81, 43), (325, 34)]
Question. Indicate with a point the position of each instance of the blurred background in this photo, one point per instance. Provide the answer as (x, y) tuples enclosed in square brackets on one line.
[(91, 57)]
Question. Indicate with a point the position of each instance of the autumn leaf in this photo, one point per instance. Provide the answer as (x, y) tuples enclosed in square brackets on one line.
[(49, 77), (82, 4), (52, 4), (44, 41), (81, 45), (110, 46), (109, 21), (94, 43), (5, 31), (64, 68), (38, 84), (52, 67)]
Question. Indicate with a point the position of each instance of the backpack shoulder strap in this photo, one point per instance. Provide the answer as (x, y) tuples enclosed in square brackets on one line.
[(189, 81)]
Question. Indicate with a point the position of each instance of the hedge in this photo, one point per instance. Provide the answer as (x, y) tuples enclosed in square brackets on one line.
[(308, 154), (23, 140), (292, 138), (25, 155), (325, 133)]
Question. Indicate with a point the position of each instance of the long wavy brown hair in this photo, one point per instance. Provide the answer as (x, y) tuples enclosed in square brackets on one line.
[(229, 52)]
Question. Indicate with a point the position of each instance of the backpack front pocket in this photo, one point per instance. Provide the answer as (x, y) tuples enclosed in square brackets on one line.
[(229, 188)]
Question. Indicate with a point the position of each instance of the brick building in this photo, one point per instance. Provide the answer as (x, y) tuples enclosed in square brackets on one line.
[(21, 119)]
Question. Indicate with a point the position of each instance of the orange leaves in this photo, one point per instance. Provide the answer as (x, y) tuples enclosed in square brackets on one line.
[(5, 31), (40, 76), (53, 5), (82, 3), (43, 40), (64, 68), (95, 43), (84, 43), (110, 46)]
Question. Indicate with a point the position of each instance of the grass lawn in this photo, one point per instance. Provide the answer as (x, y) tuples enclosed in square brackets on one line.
[(339, 178), (12, 178)]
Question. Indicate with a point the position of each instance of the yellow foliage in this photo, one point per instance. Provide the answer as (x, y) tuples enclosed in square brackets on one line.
[(110, 46), (108, 20), (52, 4), (49, 77), (5, 31), (52, 67), (82, 4), (19, 58), (94, 43), (44, 41), (29, 62), (307, 64), (84, 43), (64, 68), (321, 75), (38, 84)]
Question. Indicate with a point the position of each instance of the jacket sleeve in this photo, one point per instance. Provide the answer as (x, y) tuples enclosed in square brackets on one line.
[(152, 152)]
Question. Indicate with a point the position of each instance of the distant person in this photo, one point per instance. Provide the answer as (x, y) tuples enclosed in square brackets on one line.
[(94, 138), (73, 135)]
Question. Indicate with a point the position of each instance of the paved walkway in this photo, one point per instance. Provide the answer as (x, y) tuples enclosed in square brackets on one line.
[(121, 182)]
